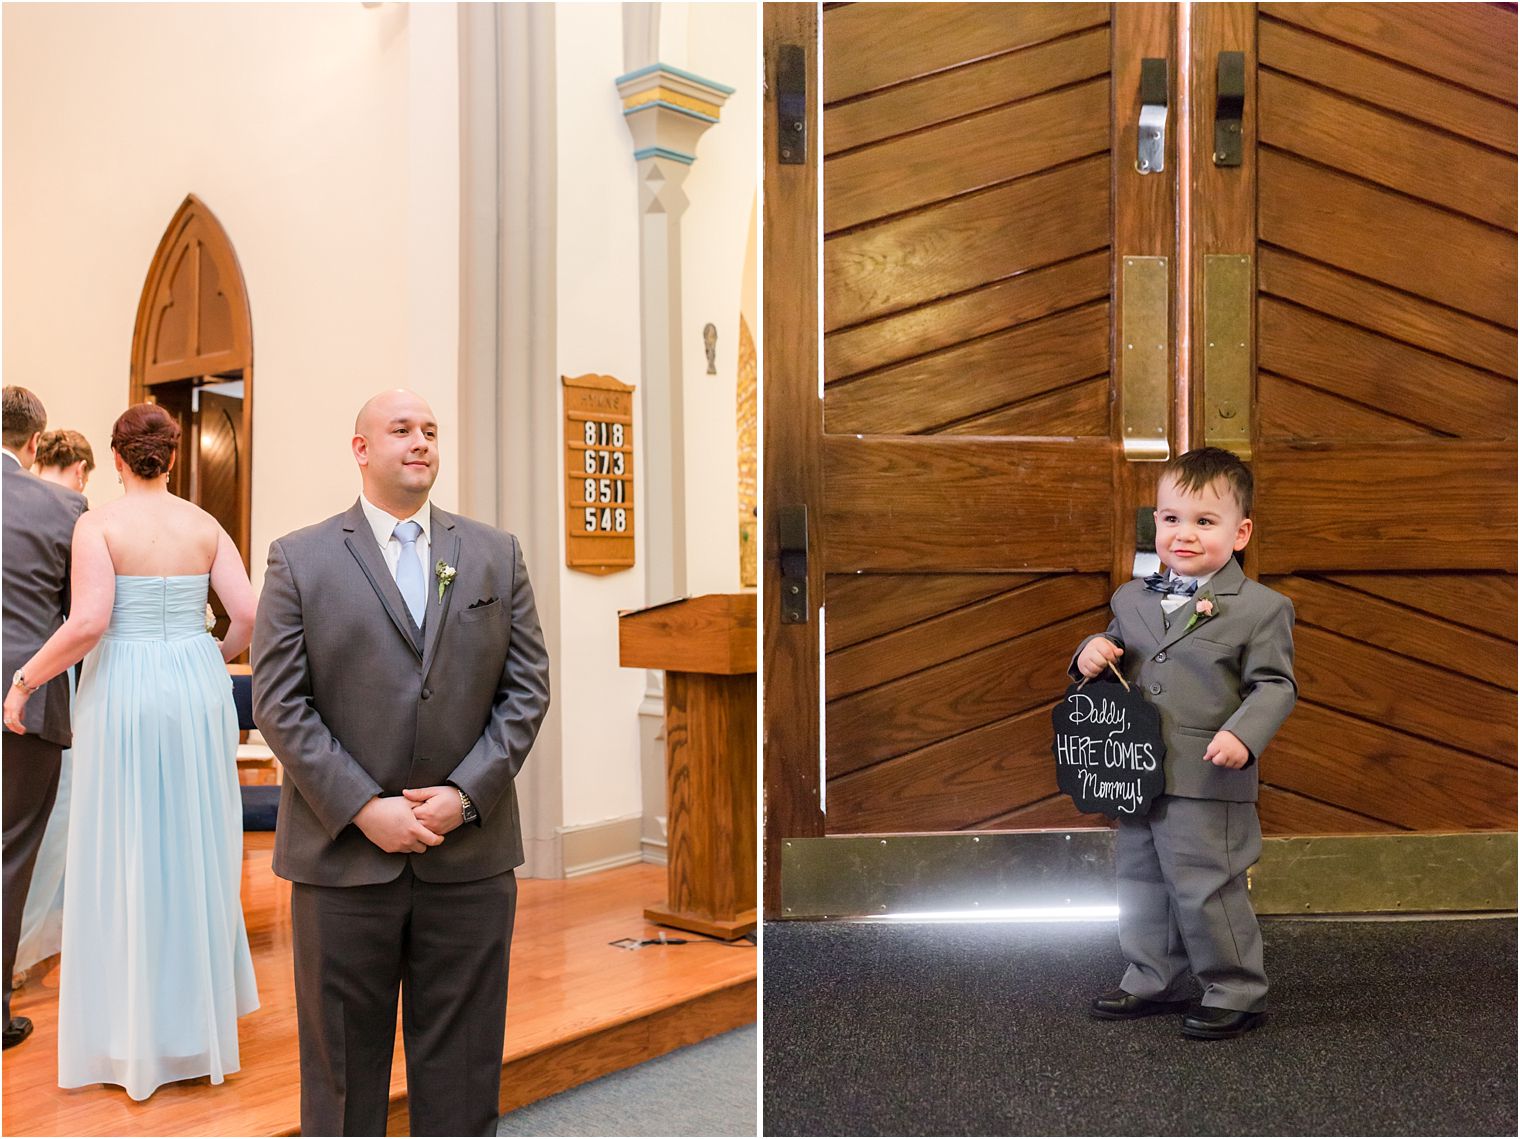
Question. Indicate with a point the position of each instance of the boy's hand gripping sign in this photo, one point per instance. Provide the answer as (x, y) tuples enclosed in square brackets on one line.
[(1108, 749)]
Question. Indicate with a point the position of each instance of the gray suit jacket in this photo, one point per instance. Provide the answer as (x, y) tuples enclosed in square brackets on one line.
[(39, 539), (1233, 670), (357, 702)]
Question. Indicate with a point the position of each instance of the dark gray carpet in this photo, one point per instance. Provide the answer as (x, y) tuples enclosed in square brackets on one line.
[(703, 1089), (1374, 1028)]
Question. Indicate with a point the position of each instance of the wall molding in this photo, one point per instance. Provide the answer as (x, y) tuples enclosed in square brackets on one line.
[(590, 847)]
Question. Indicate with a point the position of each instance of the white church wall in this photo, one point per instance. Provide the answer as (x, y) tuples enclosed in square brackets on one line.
[(599, 331), (323, 137), (598, 316), (720, 46)]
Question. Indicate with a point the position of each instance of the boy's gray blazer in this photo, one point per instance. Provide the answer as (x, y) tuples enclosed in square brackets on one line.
[(1233, 670), (356, 702)]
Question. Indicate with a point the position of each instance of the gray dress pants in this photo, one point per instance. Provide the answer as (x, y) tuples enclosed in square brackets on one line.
[(30, 786), (444, 947), (1183, 904)]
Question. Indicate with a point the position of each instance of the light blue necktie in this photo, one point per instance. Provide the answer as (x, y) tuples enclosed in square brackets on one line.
[(409, 570)]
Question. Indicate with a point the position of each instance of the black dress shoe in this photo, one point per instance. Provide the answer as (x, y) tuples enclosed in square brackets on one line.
[(17, 1030), (1119, 1005), (1205, 1023)]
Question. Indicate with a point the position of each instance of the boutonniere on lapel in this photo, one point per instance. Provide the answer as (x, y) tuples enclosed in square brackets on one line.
[(445, 574), (1205, 607)]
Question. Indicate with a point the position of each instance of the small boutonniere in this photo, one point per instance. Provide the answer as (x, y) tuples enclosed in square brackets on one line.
[(1204, 608), (445, 574)]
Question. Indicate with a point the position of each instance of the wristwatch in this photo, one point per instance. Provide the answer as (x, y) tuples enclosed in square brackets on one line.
[(467, 808), (19, 680)]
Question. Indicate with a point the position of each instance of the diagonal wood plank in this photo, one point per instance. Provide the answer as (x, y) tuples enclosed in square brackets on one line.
[(1472, 45), (1393, 627), (963, 631), (1376, 233), (1479, 117), (982, 237), (994, 370), (1404, 695), (1382, 373), (1286, 409), (993, 769), (966, 90), (990, 308), (892, 43), (966, 155), (1393, 314), (1055, 813), (1081, 409), (1391, 151), (861, 606), (1481, 601), (1380, 772), (1288, 812), (976, 689)]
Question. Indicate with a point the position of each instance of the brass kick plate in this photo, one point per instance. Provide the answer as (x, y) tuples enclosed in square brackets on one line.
[(1227, 352), (1144, 362)]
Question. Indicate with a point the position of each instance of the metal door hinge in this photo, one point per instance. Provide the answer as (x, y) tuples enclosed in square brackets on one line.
[(791, 105), (1150, 157), (1229, 106), (792, 538)]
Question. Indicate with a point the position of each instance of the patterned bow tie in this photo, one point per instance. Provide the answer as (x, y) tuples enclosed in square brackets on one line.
[(1168, 583)]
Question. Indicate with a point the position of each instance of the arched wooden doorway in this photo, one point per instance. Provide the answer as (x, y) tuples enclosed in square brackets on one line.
[(192, 354)]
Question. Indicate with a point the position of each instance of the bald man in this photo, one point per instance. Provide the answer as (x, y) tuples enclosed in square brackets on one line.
[(400, 675)]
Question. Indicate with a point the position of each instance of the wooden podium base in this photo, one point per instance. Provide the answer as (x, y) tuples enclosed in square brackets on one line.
[(712, 927)]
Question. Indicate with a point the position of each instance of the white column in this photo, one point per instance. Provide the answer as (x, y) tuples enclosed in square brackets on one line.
[(667, 110), (508, 409)]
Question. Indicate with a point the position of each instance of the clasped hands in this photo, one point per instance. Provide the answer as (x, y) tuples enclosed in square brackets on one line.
[(1224, 750), (411, 822)]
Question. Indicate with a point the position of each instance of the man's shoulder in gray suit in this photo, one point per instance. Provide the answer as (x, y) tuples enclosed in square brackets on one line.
[(316, 532), (42, 493), (476, 531)]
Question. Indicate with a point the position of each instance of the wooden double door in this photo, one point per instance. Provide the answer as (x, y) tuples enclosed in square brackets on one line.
[(985, 322)]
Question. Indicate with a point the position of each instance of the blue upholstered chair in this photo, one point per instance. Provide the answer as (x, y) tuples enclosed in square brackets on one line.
[(261, 804)]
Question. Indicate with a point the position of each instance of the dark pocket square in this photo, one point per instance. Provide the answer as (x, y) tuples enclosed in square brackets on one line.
[(483, 602)]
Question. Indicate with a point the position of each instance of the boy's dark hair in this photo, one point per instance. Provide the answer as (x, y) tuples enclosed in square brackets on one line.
[(1199, 469), (24, 416)]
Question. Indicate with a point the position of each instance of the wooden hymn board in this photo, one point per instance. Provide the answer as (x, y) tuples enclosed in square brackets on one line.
[(599, 515)]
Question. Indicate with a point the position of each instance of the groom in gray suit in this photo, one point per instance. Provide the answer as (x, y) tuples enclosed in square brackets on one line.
[(39, 534), (400, 675)]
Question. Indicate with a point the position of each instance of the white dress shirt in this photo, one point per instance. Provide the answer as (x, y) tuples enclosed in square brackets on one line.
[(1171, 602), (383, 524)]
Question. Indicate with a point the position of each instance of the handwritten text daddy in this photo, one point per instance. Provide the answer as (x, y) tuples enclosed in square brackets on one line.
[(1104, 757)]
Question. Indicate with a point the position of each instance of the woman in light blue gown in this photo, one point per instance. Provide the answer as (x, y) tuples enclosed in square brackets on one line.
[(155, 961), (64, 457)]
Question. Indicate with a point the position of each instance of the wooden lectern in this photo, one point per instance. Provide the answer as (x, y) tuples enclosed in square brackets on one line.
[(706, 647)]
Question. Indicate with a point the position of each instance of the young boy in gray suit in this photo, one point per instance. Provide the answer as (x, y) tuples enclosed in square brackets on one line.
[(1213, 652)]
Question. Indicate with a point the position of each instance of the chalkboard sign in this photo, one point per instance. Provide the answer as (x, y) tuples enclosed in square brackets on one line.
[(1108, 749)]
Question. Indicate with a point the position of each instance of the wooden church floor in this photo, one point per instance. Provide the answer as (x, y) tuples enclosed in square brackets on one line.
[(577, 1008)]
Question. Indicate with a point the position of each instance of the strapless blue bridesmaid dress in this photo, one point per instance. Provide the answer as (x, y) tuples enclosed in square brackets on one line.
[(155, 968)]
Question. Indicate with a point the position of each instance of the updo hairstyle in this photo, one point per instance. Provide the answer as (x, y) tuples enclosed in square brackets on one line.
[(145, 436), (64, 448)]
